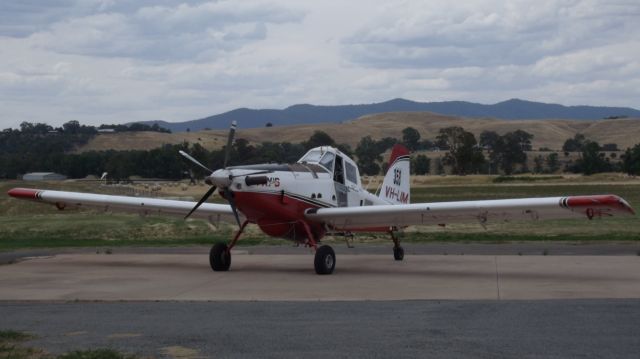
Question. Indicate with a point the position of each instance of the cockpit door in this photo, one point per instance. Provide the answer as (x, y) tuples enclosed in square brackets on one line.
[(338, 180)]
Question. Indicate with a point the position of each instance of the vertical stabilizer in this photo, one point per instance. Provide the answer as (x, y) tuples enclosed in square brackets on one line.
[(396, 185)]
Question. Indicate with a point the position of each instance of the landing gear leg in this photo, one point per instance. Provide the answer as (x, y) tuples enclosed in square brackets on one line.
[(220, 254), (325, 258), (398, 251)]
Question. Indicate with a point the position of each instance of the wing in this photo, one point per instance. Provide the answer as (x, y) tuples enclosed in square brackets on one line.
[(142, 205), (351, 218)]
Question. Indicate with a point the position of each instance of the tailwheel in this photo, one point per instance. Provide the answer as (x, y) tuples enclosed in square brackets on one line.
[(220, 257), (398, 253), (325, 260)]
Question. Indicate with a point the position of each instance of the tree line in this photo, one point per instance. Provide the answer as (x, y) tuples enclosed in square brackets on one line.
[(33, 148), (75, 128)]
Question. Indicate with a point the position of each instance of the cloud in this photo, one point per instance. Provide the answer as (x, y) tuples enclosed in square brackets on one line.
[(114, 61), (160, 33), (487, 33)]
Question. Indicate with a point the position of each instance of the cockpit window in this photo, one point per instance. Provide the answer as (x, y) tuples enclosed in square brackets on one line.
[(327, 161), (312, 157), (351, 173)]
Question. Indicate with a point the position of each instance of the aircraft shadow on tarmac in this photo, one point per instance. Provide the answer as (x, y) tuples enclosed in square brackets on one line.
[(345, 268)]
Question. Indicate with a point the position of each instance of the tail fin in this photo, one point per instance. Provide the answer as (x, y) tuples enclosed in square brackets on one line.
[(396, 185)]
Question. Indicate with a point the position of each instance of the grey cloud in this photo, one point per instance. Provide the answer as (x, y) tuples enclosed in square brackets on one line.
[(489, 36), (172, 32)]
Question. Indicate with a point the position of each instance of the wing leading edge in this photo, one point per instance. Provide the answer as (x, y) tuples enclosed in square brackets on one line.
[(142, 205), (351, 218)]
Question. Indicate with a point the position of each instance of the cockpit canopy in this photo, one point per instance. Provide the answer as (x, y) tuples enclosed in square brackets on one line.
[(343, 168)]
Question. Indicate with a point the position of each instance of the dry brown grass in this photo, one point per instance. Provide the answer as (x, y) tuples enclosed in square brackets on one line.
[(547, 133)]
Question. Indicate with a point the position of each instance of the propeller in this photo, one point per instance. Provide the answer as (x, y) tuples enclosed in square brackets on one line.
[(232, 133), (202, 200), (188, 156), (228, 194)]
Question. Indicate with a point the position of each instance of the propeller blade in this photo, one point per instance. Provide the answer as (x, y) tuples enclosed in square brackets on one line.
[(228, 195), (202, 200), (232, 133), (188, 156)]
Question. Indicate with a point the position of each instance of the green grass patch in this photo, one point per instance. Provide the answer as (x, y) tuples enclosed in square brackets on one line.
[(14, 336), (503, 179), (96, 354), (11, 348)]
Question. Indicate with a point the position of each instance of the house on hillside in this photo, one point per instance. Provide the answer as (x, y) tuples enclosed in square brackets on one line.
[(43, 176)]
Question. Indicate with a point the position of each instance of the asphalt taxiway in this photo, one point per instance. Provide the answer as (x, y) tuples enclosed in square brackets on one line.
[(370, 329)]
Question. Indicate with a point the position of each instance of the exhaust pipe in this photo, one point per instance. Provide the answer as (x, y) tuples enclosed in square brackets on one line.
[(256, 180)]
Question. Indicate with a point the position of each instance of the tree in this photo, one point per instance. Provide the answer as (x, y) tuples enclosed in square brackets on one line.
[(538, 164), (71, 127), (631, 160), (552, 162), (368, 155), (319, 138), (509, 151), (610, 147), (464, 154), (524, 139), (411, 138), (421, 165), (490, 141), (574, 144), (591, 161), (269, 124)]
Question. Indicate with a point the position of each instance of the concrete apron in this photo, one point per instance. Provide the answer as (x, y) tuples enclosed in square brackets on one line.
[(292, 278)]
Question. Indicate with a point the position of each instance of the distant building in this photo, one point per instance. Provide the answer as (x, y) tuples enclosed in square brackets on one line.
[(106, 130), (43, 176)]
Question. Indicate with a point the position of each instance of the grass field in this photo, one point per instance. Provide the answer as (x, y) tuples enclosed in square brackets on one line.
[(26, 224), (547, 133)]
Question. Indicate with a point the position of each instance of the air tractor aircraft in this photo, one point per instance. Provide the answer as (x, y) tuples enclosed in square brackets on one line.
[(322, 194)]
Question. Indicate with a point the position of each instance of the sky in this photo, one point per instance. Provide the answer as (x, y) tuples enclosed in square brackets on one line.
[(110, 61)]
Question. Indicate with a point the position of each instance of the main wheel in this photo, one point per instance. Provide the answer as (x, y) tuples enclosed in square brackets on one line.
[(220, 257), (325, 260), (398, 253)]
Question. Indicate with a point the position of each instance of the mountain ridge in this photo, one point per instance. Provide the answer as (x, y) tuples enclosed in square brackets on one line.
[(300, 114)]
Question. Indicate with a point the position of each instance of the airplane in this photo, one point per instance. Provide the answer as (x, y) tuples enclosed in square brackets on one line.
[(322, 194)]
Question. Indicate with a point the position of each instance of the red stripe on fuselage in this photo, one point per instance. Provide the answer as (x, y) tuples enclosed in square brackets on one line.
[(24, 193)]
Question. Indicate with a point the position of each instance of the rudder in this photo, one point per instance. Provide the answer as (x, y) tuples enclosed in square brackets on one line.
[(396, 186)]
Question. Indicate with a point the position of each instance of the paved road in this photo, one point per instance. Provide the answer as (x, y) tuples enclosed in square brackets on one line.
[(424, 329)]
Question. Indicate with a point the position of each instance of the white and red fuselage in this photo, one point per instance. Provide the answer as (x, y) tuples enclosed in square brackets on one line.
[(278, 200)]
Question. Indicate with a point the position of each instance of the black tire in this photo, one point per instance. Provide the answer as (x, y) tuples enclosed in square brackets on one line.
[(220, 258), (398, 253), (325, 260)]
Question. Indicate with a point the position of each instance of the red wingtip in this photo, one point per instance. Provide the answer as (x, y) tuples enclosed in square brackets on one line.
[(611, 201), (25, 193), (398, 150)]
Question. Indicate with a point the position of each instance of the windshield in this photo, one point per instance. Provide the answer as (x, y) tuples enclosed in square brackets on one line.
[(312, 157), (327, 161)]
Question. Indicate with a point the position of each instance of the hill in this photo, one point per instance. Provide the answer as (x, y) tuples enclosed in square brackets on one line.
[(548, 133), (513, 109)]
